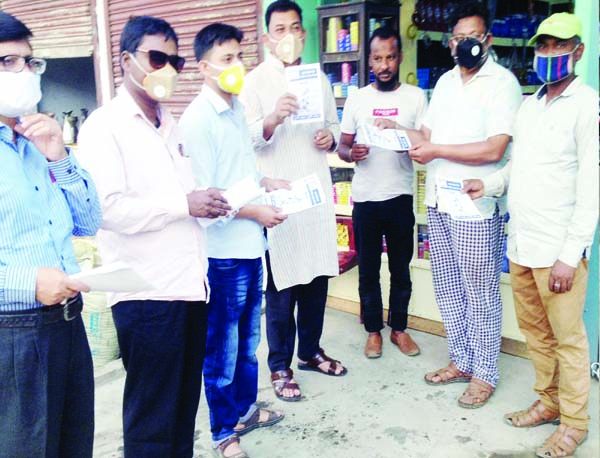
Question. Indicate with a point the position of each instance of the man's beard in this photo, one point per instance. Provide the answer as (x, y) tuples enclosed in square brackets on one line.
[(387, 86)]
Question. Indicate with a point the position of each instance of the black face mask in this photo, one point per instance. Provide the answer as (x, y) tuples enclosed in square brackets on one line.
[(470, 53)]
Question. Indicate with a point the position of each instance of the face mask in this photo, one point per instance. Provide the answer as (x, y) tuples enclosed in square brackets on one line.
[(231, 78), (159, 84), (470, 53), (19, 93), (551, 69), (289, 48)]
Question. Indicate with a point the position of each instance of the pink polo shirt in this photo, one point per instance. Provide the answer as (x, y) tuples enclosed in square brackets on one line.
[(142, 176)]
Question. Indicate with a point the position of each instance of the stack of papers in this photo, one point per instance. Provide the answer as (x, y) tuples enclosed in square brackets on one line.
[(452, 200), (116, 277)]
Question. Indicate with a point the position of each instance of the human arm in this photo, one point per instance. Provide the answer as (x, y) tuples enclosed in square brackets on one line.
[(349, 151), (476, 153), (493, 185), (327, 138), (265, 215)]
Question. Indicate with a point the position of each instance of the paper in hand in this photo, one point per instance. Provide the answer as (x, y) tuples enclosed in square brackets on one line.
[(452, 200), (392, 139), (304, 81), (116, 277), (305, 193)]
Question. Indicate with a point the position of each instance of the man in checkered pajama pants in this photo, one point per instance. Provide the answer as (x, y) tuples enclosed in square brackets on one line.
[(466, 261)]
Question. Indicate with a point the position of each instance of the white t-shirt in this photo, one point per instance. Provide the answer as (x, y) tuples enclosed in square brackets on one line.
[(460, 113), (384, 174)]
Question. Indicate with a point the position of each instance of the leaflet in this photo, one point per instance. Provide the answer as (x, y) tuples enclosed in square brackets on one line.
[(451, 200), (305, 193), (116, 277), (392, 139), (304, 81)]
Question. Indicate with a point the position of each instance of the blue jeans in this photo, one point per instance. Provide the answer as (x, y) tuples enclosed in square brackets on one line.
[(230, 365)]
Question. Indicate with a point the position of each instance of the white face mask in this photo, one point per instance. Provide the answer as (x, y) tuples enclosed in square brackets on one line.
[(19, 93)]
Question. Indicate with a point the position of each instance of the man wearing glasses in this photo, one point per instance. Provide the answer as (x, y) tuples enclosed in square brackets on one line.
[(134, 152), (468, 127), (46, 373)]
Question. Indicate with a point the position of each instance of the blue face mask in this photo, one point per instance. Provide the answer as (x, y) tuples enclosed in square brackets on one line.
[(551, 69)]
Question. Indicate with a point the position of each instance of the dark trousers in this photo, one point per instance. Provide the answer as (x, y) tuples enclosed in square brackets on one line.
[(281, 324), (395, 219), (46, 390), (162, 344)]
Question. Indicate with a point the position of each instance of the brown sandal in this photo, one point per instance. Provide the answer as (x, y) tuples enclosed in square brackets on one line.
[(476, 395), (219, 452), (254, 421), (282, 380), (319, 358), (448, 374), (535, 415), (562, 442)]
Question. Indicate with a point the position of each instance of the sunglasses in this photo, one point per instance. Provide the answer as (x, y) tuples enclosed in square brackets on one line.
[(159, 59)]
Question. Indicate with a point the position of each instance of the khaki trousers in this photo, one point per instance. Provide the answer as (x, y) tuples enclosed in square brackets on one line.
[(556, 340)]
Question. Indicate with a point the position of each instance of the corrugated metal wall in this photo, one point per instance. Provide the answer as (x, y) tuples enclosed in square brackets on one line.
[(187, 17), (61, 28)]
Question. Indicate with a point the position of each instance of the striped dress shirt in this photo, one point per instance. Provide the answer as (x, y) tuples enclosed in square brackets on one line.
[(42, 204)]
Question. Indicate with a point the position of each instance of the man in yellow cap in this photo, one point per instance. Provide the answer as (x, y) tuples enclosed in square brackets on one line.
[(553, 206)]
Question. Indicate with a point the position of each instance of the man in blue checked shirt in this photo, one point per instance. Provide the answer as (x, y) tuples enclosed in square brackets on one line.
[(46, 373)]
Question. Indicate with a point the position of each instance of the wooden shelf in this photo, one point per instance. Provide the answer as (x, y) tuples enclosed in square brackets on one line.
[(343, 210), (339, 57), (498, 41), (334, 161), (420, 218)]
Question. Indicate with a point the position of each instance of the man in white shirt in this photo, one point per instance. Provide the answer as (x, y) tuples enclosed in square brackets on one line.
[(553, 205), (382, 191), (469, 125), (133, 150), (303, 250)]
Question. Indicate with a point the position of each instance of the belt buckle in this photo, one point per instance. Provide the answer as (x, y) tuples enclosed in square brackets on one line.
[(66, 315)]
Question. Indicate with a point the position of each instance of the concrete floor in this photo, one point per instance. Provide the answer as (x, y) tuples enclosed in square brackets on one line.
[(380, 409)]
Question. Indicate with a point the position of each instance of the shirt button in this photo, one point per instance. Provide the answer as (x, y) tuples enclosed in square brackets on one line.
[(37, 189), (50, 222)]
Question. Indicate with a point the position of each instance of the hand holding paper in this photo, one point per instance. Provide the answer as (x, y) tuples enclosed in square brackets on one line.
[(304, 81), (305, 193), (117, 277), (391, 139)]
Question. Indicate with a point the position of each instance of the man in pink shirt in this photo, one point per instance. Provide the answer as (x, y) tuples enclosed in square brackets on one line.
[(133, 150)]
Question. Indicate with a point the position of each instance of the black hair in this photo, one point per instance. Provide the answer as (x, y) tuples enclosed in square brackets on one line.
[(468, 9), (217, 33), (11, 29), (139, 26), (385, 33), (282, 6)]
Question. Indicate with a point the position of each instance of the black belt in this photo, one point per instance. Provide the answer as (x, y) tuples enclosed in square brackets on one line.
[(43, 315)]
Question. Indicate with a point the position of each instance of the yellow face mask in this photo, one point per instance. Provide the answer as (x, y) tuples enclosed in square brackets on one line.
[(231, 78), (159, 84), (289, 48)]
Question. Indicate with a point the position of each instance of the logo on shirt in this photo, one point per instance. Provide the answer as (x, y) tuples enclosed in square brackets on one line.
[(181, 150), (385, 111)]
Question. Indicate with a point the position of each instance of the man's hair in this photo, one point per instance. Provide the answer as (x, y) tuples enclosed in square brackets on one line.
[(217, 33), (11, 29), (469, 9), (282, 6), (385, 33), (139, 26)]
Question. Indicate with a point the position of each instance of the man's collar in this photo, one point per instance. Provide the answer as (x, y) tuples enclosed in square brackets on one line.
[(486, 69), (273, 61), (130, 107), (218, 103), (568, 91)]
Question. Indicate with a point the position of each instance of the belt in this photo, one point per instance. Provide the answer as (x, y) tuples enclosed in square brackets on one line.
[(43, 315)]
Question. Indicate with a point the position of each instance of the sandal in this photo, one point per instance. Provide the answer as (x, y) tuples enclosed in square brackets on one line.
[(476, 395), (254, 421), (535, 415), (219, 451), (319, 358), (448, 374), (282, 380), (562, 442)]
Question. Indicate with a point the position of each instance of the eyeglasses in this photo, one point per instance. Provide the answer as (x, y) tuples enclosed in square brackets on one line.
[(159, 59), (456, 39), (16, 64)]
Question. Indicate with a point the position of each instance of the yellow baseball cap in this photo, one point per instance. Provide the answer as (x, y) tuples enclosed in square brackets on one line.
[(559, 25)]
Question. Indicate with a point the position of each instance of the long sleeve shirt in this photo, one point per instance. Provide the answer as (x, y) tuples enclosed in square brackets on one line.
[(552, 178), (42, 204), (143, 176)]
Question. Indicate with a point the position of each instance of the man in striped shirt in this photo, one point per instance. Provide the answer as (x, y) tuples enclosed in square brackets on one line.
[(46, 372)]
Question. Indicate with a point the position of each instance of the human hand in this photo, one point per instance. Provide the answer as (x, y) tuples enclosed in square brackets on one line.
[(285, 106), (423, 153), (52, 286), (45, 133), (473, 187), (359, 152), (561, 277), (383, 123), (272, 184), (323, 139), (207, 204), (268, 216)]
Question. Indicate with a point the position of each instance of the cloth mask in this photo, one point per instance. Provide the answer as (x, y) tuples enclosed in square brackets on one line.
[(551, 69), (231, 78), (19, 93), (289, 48), (470, 53), (159, 84)]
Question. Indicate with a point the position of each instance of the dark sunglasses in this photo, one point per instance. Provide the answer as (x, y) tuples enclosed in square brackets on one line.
[(159, 59)]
